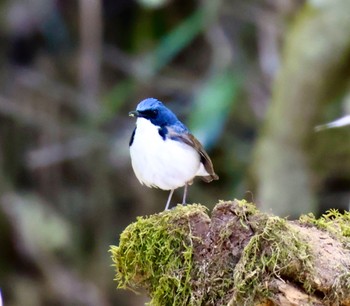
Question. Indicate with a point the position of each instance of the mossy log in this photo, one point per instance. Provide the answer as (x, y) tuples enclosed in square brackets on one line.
[(238, 256)]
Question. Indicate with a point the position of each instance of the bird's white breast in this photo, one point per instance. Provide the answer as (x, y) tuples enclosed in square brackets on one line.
[(166, 164)]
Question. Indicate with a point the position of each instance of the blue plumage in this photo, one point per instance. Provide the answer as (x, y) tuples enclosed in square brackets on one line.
[(164, 154), (159, 115)]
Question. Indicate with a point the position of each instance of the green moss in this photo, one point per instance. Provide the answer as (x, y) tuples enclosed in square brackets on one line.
[(156, 253), (278, 250), (246, 208), (162, 254), (336, 223)]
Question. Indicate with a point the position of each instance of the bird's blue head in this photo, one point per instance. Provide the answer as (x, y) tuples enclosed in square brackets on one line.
[(155, 111)]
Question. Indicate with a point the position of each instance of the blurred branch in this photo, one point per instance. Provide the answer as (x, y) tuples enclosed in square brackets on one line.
[(221, 57), (90, 53), (121, 61), (132, 66), (246, 12), (48, 87), (270, 27), (57, 153), (25, 114)]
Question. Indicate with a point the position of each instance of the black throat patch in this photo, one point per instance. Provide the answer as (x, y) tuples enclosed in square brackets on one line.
[(132, 137), (162, 131)]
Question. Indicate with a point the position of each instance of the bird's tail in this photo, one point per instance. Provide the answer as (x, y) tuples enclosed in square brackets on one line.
[(209, 178)]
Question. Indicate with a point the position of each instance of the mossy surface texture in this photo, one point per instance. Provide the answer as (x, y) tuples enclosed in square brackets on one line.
[(275, 252), (183, 257), (334, 222), (156, 253)]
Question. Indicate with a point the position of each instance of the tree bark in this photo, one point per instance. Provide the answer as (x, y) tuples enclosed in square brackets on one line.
[(239, 256), (314, 71)]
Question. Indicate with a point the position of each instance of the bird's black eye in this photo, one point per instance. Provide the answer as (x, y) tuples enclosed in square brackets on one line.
[(150, 113)]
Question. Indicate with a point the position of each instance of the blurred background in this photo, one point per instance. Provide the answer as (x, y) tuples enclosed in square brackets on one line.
[(251, 79)]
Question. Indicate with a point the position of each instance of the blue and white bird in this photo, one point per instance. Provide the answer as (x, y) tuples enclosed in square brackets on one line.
[(164, 154)]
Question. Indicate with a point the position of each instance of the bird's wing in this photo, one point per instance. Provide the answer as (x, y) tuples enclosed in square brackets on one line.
[(193, 142)]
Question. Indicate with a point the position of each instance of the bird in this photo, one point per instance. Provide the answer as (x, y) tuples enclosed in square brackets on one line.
[(164, 154)]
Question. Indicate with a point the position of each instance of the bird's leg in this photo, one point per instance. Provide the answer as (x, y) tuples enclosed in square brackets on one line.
[(185, 194), (169, 199)]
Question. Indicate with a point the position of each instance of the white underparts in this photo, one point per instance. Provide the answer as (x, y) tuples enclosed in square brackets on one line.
[(166, 164)]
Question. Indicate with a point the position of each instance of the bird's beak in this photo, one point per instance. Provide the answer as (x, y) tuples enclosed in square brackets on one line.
[(134, 114)]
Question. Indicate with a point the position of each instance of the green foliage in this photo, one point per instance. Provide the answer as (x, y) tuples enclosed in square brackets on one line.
[(40, 226), (156, 253), (115, 99), (175, 41), (213, 105)]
